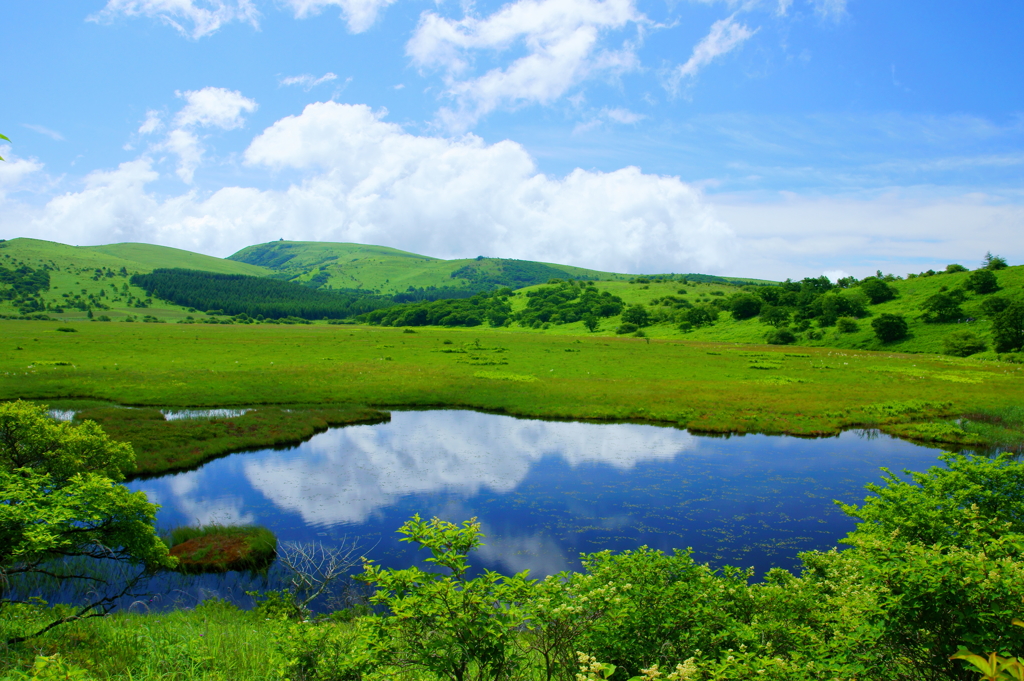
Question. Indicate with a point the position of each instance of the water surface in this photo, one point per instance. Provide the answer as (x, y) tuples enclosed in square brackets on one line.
[(545, 491)]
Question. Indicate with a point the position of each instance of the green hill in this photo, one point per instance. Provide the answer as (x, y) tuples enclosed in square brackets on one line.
[(663, 300), (77, 279), (391, 271)]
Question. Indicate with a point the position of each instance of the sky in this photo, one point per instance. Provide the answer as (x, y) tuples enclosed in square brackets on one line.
[(766, 138)]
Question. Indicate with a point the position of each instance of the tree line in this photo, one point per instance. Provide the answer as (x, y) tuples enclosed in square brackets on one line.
[(235, 294)]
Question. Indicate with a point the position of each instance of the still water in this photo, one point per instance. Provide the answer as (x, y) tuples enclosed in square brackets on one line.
[(544, 491)]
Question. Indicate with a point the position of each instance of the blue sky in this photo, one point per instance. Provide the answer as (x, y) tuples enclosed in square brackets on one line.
[(766, 138)]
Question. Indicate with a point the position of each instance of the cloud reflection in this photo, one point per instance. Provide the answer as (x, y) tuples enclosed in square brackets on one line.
[(345, 474)]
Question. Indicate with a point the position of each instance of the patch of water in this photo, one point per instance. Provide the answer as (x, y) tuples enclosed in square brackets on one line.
[(545, 491)]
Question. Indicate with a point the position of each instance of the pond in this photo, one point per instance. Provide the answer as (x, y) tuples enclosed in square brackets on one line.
[(544, 491)]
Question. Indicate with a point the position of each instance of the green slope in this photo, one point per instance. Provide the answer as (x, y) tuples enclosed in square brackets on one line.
[(912, 293), (74, 280), (389, 270)]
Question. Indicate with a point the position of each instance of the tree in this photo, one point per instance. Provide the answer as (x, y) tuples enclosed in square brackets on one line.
[(889, 327), (702, 315), (993, 262), (982, 281), (774, 315), (636, 314), (962, 343), (591, 322), (1008, 328), (941, 307), (953, 268), (62, 505), (744, 306), (877, 290), (993, 305)]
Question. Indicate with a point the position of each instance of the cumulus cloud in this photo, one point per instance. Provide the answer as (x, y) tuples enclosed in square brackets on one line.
[(359, 14), (192, 18), (725, 36), (188, 149), (308, 81), (214, 107), (358, 178), (211, 107), (562, 39), (14, 171)]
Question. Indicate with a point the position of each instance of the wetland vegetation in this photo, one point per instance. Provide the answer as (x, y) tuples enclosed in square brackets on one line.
[(933, 564)]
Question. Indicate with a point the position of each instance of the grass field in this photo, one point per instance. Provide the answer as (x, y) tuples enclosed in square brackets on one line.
[(707, 387)]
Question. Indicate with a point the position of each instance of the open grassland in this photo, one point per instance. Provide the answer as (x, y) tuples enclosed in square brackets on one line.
[(924, 337), (703, 386)]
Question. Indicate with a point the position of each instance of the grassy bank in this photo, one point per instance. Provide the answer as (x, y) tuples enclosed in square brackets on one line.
[(703, 386), (162, 446)]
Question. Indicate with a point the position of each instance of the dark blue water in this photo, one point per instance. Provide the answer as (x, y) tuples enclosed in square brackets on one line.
[(545, 491)]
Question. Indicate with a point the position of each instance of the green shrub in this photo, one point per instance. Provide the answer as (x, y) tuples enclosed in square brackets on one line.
[(889, 327), (962, 343), (626, 327), (446, 623), (847, 325), (780, 337)]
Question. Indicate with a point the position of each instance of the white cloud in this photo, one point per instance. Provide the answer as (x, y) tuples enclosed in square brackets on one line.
[(725, 35), (361, 179), (347, 474), (618, 115), (835, 275), (214, 107), (830, 10), (783, 7), (624, 116), (210, 107), (562, 42), (13, 171), (152, 123), (308, 81), (897, 231), (52, 134), (192, 18), (188, 149), (359, 14)]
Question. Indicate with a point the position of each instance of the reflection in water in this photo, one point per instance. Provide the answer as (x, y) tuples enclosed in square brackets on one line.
[(179, 414), (544, 491)]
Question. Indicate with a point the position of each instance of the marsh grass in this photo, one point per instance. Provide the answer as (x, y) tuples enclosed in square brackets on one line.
[(162, 445), (299, 379), (215, 640), (220, 548)]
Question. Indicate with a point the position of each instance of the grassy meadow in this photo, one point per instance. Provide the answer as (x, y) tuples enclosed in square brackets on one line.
[(710, 387)]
